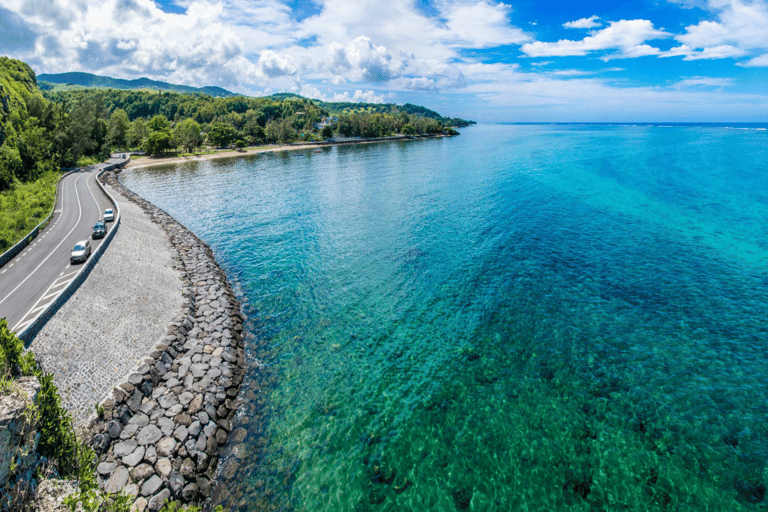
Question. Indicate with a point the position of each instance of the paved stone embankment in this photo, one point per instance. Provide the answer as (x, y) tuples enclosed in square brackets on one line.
[(116, 316), (161, 430)]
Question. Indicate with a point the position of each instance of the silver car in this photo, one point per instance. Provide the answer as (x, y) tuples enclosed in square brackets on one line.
[(109, 215), (81, 251)]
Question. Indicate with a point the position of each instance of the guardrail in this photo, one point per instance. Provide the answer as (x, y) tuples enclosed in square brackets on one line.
[(20, 245), (32, 329)]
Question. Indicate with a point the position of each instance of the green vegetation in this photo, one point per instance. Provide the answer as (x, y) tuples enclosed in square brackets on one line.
[(24, 206), (164, 122), (58, 441)]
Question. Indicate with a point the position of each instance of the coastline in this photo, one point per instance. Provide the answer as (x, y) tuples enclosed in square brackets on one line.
[(159, 434), (151, 161)]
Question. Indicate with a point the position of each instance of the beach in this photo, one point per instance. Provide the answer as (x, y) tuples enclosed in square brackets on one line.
[(152, 161)]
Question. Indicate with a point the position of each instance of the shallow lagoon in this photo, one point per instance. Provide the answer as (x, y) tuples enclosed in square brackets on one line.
[(521, 317)]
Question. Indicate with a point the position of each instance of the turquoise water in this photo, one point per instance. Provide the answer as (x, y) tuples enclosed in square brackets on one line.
[(518, 318)]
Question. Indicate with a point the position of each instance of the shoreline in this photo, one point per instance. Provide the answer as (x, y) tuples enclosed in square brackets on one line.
[(151, 161)]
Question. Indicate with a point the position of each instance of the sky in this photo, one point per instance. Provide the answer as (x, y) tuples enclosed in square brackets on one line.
[(512, 61)]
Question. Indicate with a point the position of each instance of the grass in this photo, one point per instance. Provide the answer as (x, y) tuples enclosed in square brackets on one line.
[(24, 206)]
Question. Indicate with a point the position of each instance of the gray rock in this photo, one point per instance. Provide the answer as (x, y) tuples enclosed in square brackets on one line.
[(176, 482), (134, 402), (106, 467), (173, 411), (114, 428), (185, 397), (189, 493), (187, 468), (168, 400), (148, 406), (149, 435), (165, 447), (158, 500), (101, 442), (210, 429), (151, 454), (135, 457), (181, 433), (151, 486), (136, 378), (140, 505), (140, 420), (195, 428), (142, 472), (183, 419), (203, 417), (163, 467), (131, 489), (202, 442), (117, 480), (125, 448), (129, 431), (167, 426)]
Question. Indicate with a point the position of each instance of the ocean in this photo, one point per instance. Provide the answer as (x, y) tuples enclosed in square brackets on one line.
[(523, 317)]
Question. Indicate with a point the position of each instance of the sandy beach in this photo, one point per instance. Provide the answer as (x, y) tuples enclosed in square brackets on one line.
[(150, 161)]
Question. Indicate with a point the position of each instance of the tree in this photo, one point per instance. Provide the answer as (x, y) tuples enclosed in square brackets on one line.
[(137, 133), (188, 135), (118, 129), (327, 132), (220, 134), (159, 123), (158, 142)]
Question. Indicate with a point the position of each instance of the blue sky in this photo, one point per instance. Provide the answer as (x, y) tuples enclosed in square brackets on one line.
[(519, 60)]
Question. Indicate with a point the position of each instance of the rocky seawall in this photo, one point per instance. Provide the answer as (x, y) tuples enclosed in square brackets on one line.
[(158, 435)]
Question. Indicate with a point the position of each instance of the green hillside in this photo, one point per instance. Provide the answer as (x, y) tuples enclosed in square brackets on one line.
[(89, 80)]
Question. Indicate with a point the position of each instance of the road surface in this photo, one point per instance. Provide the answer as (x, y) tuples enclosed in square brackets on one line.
[(36, 276)]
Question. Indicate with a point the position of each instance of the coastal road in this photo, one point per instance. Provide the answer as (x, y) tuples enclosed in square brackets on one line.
[(36, 276)]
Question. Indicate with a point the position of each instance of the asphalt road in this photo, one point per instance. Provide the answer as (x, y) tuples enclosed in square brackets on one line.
[(35, 277)]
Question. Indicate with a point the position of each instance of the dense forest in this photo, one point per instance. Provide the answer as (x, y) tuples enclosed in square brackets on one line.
[(160, 122)]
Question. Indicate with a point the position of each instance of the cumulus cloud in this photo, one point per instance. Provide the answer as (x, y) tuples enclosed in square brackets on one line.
[(590, 22), (363, 60), (625, 36), (272, 65), (738, 31), (760, 61), (481, 25), (359, 97)]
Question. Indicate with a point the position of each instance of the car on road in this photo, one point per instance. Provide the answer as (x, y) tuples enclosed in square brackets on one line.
[(99, 230), (81, 251), (109, 215)]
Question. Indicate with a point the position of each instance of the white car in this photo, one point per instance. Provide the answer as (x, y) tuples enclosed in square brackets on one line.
[(81, 251), (109, 215)]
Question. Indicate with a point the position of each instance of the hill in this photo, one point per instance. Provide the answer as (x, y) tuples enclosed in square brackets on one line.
[(337, 108), (89, 80)]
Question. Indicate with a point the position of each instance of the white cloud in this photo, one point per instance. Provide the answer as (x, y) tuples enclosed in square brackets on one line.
[(760, 61), (359, 97), (363, 60), (740, 29), (481, 25), (590, 22), (626, 36), (703, 81)]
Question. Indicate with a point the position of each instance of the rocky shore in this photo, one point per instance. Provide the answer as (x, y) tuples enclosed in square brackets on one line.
[(158, 435)]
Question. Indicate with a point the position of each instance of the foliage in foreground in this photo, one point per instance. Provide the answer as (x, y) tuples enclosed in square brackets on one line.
[(58, 441)]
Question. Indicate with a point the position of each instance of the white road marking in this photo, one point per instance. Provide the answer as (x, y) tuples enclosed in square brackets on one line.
[(21, 326), (79, 215)]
